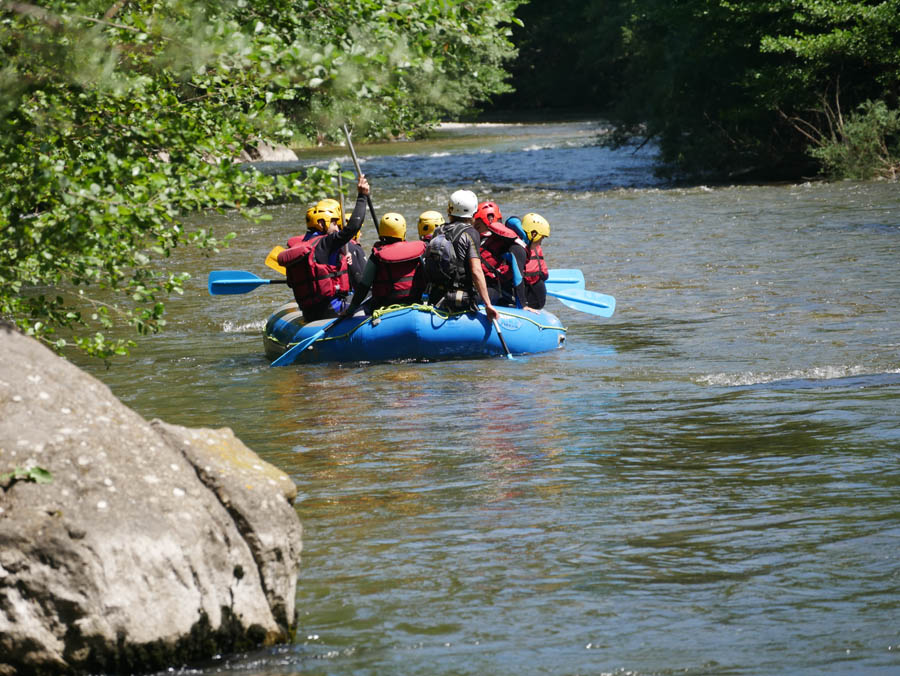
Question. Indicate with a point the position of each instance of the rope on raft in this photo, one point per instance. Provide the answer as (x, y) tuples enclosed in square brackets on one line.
[(421, 307)]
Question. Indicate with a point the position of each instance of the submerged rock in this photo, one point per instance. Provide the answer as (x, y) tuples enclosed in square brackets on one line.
[(153, 544)]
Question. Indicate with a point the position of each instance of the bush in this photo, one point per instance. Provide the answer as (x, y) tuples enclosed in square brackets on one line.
[(864, 145)]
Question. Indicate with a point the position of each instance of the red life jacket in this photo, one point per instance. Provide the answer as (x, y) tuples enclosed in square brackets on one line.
[(493, 262), (535, 267), (313, 283), (395, 272)]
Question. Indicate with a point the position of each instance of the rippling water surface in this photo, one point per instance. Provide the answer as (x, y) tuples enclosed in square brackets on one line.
[(705, 483)]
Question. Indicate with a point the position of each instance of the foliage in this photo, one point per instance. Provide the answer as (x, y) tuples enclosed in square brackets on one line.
[(396, 67), (865, 145), (38, 475), (117, 120), (718, 84)]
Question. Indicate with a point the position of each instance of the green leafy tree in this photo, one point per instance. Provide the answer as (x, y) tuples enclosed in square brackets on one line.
[(117, 120), (726, 88)]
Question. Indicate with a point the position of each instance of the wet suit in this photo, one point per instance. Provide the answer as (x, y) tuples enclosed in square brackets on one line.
[(328, 251)]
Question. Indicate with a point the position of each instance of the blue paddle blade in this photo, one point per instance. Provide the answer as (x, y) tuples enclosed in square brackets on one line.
[(293, 354), (560, 278), (591, 302), (229, 282)]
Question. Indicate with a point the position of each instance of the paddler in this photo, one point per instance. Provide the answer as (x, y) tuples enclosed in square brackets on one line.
[(317, 270), (356, 255), (533, 228), (502, 258), (394, 270)]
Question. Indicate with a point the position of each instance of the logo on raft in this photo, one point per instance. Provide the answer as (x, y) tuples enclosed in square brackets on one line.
[(510, 323)]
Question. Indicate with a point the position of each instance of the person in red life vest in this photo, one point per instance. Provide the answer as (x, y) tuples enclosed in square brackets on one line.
[(533, 228), (429, 221), (467, 284), (503, 259), (356, 255), (317, 268), (394, 270)]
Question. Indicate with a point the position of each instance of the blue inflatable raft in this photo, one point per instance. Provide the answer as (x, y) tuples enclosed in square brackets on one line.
[(412, 332)]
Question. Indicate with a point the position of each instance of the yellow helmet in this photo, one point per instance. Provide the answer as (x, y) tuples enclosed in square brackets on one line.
[(322, 218), (332, 205), (428, 221), (392, 225), (534, 224), (311, 219)]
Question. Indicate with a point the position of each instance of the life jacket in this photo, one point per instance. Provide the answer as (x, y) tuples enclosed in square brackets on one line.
[(395, 271), (496, 266), (313, 283), (442, 266), (535, 267)]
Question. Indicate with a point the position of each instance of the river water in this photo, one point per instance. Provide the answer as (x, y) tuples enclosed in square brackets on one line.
[(705, 483)]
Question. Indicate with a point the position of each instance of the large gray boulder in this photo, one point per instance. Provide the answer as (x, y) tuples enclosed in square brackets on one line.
[(153, 545)]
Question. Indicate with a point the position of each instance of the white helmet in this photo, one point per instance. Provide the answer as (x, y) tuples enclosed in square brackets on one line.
[(463, 204)]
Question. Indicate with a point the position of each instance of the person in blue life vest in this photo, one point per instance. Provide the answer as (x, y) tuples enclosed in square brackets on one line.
[(316, 267), (503, 259), (393, 272), (429, 221), (533, 229), (356, 255), (459, 288)]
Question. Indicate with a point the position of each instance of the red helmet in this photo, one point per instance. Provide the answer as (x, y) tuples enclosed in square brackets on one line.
[(487, 213)]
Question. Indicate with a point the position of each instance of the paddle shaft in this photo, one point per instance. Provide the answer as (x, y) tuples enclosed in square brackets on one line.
[(502, 339), (359, 173)]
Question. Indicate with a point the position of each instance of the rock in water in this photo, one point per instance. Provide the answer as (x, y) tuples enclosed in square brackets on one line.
[(152, 545)]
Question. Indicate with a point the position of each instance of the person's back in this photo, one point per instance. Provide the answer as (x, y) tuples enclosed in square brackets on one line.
[(393, 271), (445, 263), (536, 229), (503, 258), (456, 245), (317, 269)]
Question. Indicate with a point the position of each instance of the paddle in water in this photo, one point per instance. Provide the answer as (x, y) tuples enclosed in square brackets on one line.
[(502, 339), (293, 353)]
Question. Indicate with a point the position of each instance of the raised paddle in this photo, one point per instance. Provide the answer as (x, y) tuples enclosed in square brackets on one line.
[(294, 353), (583, 300), (230, 282), (359, 173), (272, 260)]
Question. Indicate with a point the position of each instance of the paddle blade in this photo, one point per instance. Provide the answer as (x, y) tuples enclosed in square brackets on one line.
[(272, 260), (229, 282), (592, 303), (293, 354), (560, 278)]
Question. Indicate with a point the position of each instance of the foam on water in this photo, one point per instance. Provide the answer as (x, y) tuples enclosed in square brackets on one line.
[(250, 327), (818, 373)]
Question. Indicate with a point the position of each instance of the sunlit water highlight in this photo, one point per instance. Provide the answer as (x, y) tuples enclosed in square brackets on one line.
[(706, 483)]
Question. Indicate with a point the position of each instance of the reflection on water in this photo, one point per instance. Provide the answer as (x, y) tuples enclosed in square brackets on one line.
[(706, 482)]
